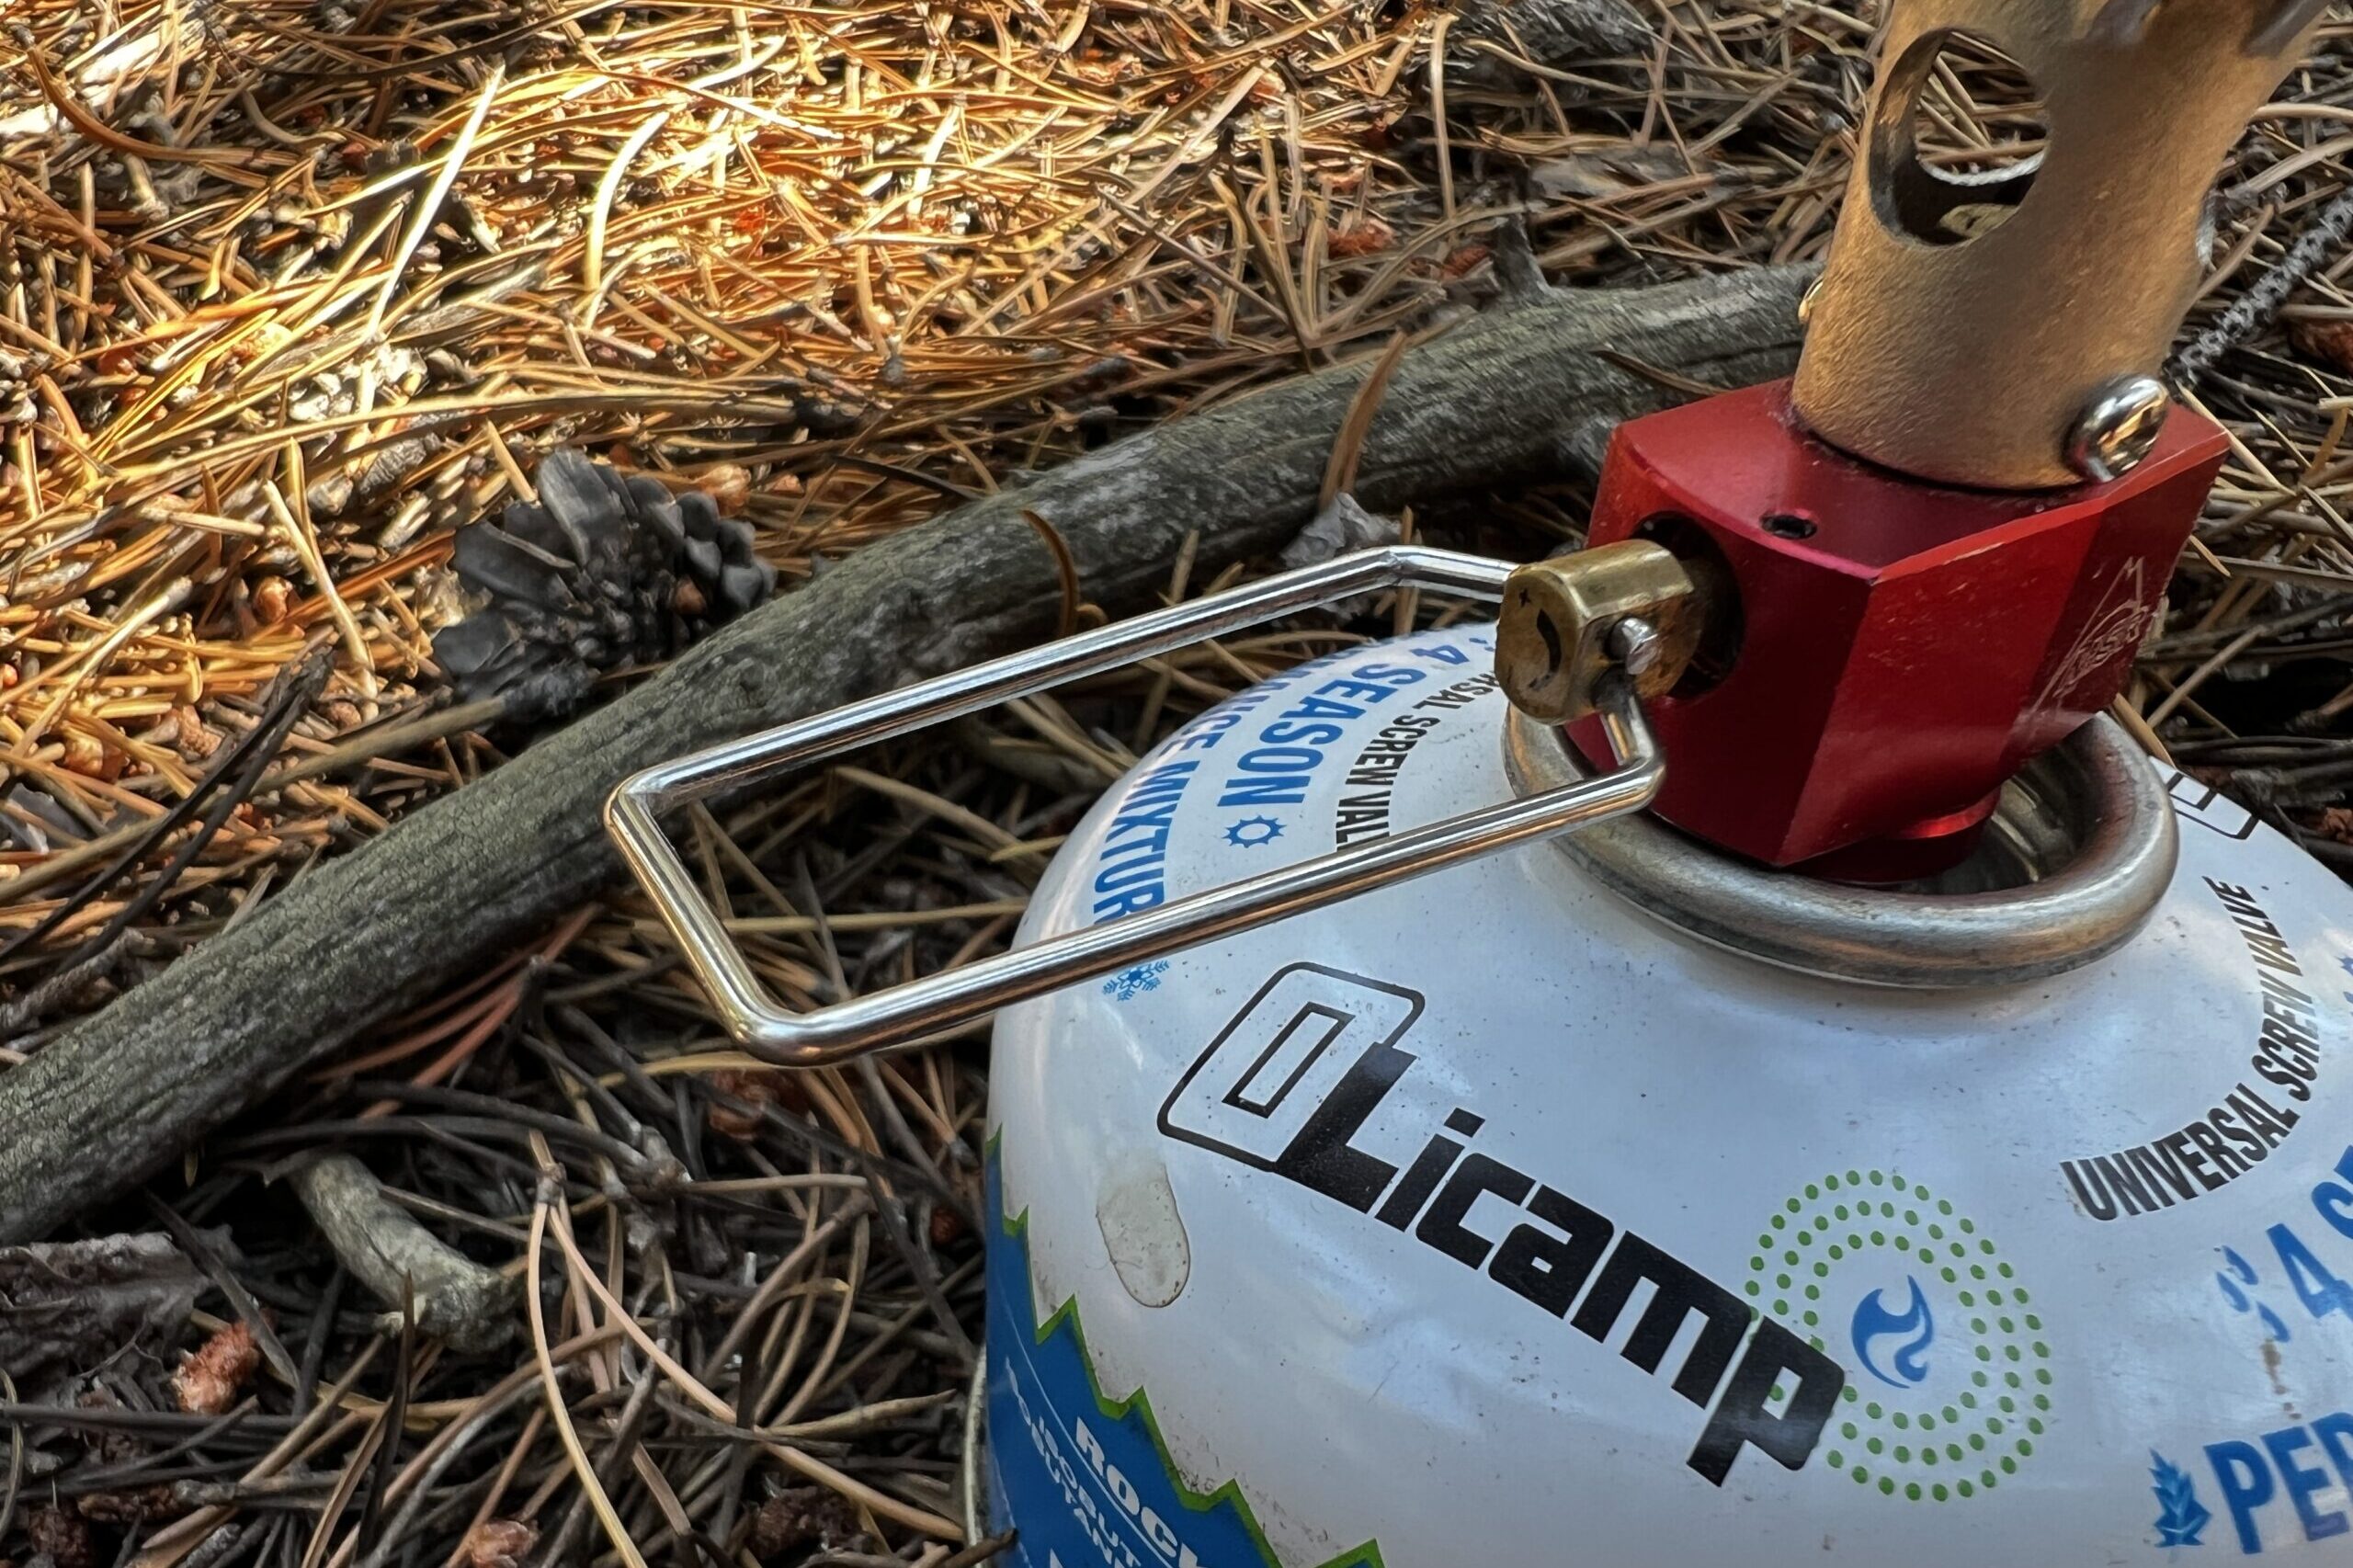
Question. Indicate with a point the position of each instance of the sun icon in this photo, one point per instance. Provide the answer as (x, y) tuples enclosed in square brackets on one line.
[(1251, 831)]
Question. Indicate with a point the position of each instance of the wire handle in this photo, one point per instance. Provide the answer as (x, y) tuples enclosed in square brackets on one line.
[(905, 1013)]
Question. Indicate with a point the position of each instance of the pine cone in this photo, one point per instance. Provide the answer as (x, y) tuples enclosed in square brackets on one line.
[(608, 570)]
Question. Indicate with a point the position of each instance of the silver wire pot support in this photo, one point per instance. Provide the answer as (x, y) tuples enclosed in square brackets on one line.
[(905, 1013)]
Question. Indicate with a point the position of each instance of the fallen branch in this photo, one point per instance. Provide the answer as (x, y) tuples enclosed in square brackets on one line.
[(399, 1260), (1497, 403)]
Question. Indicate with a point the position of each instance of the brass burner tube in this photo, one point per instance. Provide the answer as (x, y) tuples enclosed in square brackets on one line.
[(2002, 331)]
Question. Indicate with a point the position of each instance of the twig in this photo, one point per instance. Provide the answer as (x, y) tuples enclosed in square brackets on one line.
[(400, 1261)]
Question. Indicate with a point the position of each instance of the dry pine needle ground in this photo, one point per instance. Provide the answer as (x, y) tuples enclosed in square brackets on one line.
[(289, 291)]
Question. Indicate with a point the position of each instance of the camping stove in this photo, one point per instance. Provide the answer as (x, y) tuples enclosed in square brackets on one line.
[(1738, 1061)]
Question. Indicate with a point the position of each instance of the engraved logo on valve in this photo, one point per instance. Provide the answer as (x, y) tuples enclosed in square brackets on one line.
[(1290, 1085)]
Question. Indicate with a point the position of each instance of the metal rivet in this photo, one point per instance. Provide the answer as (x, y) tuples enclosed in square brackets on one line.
[(1636, 645), (2119, 428)]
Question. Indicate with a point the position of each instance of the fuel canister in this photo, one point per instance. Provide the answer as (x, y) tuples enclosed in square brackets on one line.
[(1507, 1216)]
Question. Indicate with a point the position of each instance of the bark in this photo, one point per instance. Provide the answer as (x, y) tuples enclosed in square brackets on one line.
[(66, 1307), (1508, 398)]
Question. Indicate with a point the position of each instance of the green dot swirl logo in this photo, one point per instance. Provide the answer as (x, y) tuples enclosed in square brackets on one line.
[(1958, 1409)]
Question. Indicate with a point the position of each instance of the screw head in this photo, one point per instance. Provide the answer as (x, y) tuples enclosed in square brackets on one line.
[(1636, 645), (2119, 428)]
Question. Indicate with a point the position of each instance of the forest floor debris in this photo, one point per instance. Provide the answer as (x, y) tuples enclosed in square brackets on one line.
[(292, 289)]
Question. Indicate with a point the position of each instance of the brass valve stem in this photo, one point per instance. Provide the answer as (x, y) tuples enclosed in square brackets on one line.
[(1571, 621)]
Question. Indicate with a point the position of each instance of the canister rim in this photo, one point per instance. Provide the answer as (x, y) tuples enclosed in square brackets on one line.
[(2086, 834)]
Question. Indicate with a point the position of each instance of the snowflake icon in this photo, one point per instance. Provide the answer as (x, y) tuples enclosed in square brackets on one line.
[(1251, 831), (1131, 983)]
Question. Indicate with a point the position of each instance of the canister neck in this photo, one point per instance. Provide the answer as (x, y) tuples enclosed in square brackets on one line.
[(2082, 846)]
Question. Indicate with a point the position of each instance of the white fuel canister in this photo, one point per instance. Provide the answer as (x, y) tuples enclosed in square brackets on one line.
[(1488, 1220)]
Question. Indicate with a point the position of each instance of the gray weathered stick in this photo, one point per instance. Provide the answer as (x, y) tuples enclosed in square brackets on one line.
[(399, 1260), (1503, 400)]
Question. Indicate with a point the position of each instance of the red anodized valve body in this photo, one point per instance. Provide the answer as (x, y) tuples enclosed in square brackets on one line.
[(1903, 647)]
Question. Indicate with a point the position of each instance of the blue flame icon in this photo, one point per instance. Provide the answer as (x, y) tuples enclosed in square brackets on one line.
[(1914, 1326)]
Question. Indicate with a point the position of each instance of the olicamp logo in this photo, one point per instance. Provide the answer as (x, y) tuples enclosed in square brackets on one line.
[(1293, 1082)]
